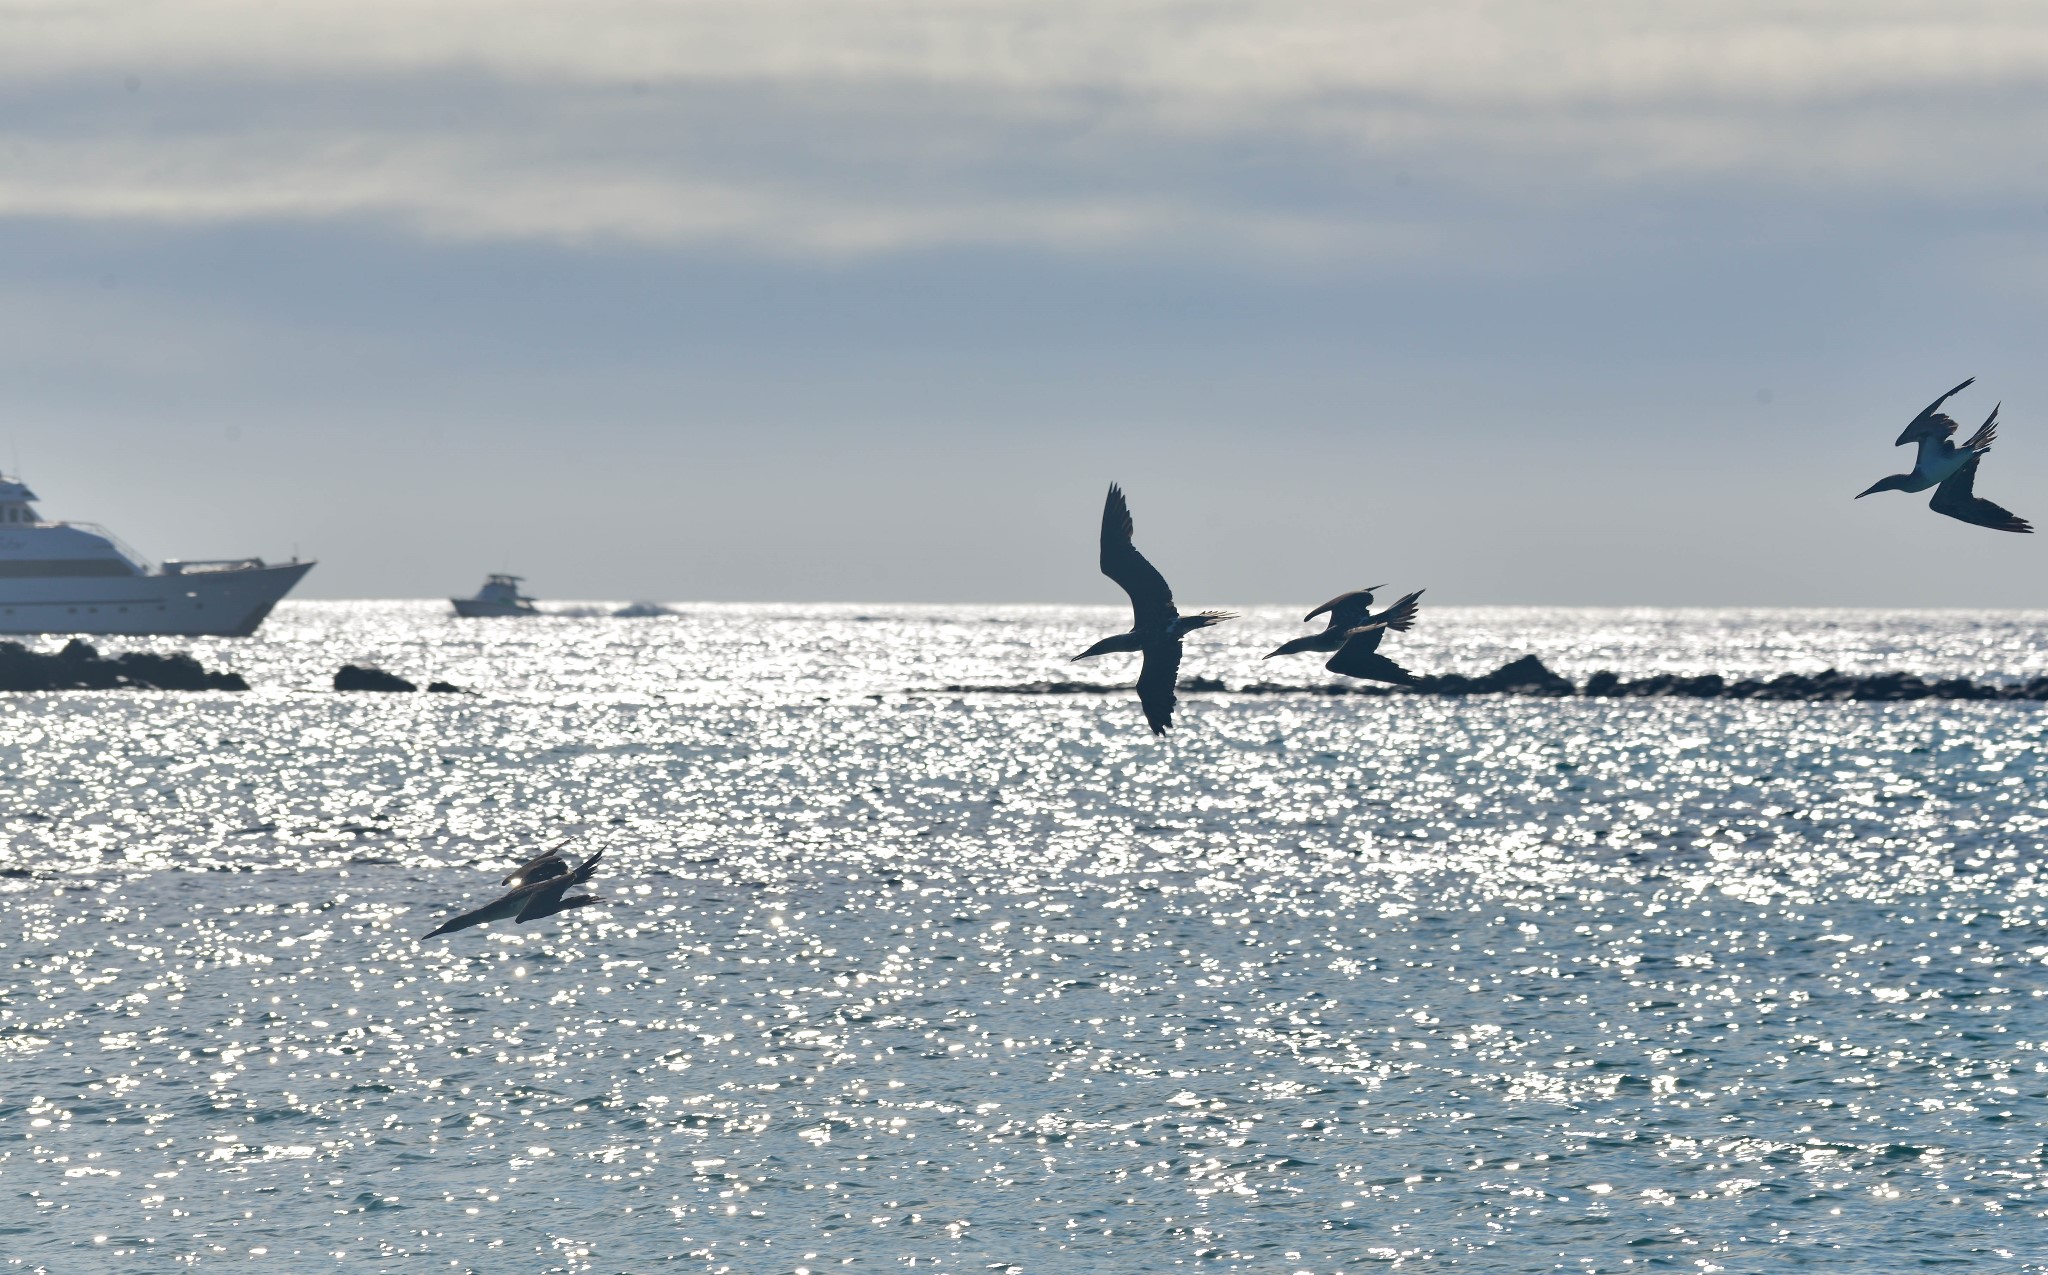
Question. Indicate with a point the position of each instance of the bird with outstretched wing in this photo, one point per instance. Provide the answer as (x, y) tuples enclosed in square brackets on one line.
[(528, 902), (1157, 626), (1950, 469)]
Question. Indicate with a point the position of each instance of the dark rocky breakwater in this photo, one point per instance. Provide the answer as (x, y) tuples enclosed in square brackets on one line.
[(1531, 677), (80, 667)]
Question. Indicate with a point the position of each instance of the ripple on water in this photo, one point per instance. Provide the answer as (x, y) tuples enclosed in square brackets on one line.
[(1314, 985)]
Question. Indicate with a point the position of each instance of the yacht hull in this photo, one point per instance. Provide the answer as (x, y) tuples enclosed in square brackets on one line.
[(225, 603), (478, 609)]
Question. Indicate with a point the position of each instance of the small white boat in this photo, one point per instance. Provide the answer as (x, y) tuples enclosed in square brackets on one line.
[(75, 577), (500, 596)]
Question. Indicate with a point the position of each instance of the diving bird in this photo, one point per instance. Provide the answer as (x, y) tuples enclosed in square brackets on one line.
[(1354, 634), (1156, 627), (1949, 469), (529, 902)]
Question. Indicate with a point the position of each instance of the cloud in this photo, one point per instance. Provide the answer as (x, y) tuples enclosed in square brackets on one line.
[(486, 186), (1603, 50), (1275, 129)]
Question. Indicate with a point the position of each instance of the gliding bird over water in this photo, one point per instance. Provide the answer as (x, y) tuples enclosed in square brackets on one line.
[(542, 895), (1949, 469), (1156, 626), (1354, 634)]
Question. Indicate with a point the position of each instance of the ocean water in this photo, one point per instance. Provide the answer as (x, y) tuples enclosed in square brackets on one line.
[(898, 978)]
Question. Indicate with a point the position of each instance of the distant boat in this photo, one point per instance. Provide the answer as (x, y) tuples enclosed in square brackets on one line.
[(641, 611), (75, 577), (500, 596)]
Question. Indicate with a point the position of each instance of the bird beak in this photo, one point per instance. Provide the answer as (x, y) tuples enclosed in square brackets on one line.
[(1269, 655), (1865, 492)]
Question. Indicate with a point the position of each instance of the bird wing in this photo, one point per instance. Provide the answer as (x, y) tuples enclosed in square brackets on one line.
[(1400, 617), (1930, 421), (1346, 609), (1155, 684), (1359, 658), (1957, 497), (1929, 429), (548, 865), (1151, 597), (533, 870)]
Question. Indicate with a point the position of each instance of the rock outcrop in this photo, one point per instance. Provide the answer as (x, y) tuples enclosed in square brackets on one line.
[(357, 677), (80, 667)]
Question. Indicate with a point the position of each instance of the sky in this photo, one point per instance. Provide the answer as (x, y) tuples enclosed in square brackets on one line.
[(1588, 303)]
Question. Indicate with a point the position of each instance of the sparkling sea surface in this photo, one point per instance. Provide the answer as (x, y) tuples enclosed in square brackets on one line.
[(899, 978)]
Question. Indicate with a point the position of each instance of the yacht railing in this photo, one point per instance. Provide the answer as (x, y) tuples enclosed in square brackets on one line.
[(121, 546)]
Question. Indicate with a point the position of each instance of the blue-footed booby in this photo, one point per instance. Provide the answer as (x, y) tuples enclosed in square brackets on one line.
[(529, 902), (1156, 626), (1949, 469), (1354, 634)]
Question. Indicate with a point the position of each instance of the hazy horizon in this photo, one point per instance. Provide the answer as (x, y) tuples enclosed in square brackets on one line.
[(796, 301), (553, 605)]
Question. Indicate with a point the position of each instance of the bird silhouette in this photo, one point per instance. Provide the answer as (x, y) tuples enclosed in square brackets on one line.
[(1156, 626), (1949, 469), (1354, 634), (528, 902)]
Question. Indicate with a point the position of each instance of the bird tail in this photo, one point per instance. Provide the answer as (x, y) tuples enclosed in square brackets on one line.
[(1401, 616), (1987, 434)]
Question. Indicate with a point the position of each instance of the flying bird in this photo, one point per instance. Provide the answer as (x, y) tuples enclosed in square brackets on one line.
[(1354, 633), (1156, 627), (531, 901), (1348, 611), (1949, 469)]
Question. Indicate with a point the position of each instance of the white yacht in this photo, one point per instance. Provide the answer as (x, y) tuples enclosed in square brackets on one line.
[(75, 577), (500, 596)]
